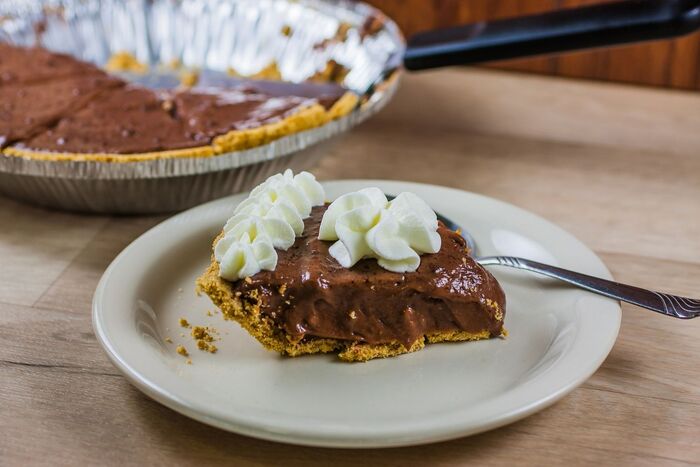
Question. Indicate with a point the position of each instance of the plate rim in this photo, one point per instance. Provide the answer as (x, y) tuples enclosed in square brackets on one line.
[(306, 437)]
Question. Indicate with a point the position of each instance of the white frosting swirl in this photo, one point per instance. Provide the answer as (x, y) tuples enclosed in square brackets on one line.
[(366, 225), (271, 217)]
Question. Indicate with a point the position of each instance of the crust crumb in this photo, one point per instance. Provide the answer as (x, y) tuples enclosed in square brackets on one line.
[(189, 78), (182, 351), (207, 347), (167, 105), (201, 333), (332, 72), (125, 61), (204, 337), (270, 72)]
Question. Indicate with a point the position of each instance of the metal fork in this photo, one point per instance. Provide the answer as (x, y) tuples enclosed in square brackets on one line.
[(667, 304)]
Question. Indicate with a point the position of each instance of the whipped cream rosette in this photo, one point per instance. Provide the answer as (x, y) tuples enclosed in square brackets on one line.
[(365, 224), (270, 218)]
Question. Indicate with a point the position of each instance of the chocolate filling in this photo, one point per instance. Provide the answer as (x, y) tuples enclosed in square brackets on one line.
[(310, 294), (326, 94), (120, 121), (212, 112), (29, 109), (53, 102), (28, 65)]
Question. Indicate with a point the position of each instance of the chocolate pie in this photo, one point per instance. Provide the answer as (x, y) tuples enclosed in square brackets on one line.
[(310, 303), (55, 107)]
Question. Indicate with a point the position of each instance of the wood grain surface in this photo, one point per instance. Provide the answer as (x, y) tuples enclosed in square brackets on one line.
[(668, 63), (618, 167)]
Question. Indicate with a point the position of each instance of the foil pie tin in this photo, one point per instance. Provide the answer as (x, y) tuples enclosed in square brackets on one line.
[(210, 35)]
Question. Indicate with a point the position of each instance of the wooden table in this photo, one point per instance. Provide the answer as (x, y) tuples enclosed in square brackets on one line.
[(617, 166)]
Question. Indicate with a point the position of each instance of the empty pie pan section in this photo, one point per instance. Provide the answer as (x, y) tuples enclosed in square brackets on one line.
[(215, 36)]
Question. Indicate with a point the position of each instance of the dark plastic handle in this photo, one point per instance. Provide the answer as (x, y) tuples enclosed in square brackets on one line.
[(560, 31)]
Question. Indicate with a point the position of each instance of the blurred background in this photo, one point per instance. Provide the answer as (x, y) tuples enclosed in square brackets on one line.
[(671, 64)]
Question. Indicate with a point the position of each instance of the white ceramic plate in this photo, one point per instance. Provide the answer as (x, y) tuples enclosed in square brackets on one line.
[(558, 337)]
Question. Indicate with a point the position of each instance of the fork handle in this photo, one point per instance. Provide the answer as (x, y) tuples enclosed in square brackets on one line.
[(671, 305)]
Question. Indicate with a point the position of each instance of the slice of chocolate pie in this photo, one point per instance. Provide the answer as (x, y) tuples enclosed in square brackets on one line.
[(383, 278)]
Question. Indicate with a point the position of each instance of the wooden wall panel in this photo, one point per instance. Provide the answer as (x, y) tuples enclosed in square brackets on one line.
[(661, 63)]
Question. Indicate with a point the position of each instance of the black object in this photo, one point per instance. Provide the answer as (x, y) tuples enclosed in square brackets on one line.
[(560, 31)]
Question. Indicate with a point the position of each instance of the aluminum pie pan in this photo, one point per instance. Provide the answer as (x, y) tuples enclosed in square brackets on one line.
[(171, 184)]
